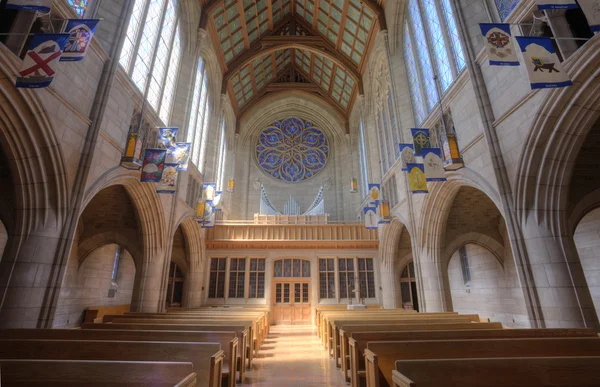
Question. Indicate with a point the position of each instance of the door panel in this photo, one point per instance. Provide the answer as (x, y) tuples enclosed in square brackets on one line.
[(291, 303)]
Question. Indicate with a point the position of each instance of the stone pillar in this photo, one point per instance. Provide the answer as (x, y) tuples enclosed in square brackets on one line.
[(433, 297), (26, 272), (557, 279), (148, 290), (388, 284)]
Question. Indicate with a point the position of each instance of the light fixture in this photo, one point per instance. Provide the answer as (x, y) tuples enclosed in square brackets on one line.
[(230, 184), (353, 185)]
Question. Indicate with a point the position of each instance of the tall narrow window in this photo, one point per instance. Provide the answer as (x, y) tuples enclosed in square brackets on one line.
[(222, 159), (408, 287), (366, 277), (175, 286), (257, 278), (362, 160), (237, 277), (216, 286), (115, 269), (346, 268), (198, 120), (326, 278), (464, 264), (414, 84), (153, 34)]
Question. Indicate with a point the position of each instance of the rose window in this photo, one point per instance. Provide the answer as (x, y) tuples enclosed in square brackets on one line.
[(292, 150)]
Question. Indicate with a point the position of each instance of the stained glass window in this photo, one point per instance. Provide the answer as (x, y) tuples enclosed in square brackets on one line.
[(292, 150), (199, 112), (80, 6), (362, 160), (505, 7), (221, 163), (438, 44), (413, 78), (457, 49), (154, 32)]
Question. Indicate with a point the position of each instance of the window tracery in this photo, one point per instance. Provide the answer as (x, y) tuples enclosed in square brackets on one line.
[(292, 150), (197, 132), (154, 32)]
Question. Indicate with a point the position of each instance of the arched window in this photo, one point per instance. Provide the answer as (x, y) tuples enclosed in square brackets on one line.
[(222, 159), (80, 6), (505, 7), (362, 160), (431, 47), (198, 121), (408, 287), (154, 31), (386, 122), (175, 286)]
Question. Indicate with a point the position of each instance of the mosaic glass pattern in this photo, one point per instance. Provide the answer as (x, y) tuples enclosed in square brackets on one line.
[(292, 150), (505, 7), (457, 50), (436, 35), (413, 78), (80, 6)]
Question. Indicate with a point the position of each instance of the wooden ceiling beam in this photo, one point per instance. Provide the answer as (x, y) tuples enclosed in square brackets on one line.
[(270, 14), (378, 11), (315, 13), (240, 7)]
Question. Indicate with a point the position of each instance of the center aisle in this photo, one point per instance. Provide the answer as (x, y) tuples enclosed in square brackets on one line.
[(292, 355)]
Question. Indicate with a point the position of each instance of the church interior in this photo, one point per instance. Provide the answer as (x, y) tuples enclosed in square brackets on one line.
[(266, 193)]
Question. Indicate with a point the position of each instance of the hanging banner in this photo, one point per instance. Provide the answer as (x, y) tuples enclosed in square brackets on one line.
[(81, 32), (208, 220), (154, 164), (371, 218), (218, 197), (556, 4), (43, 6), (421, 139), (407, 155), (499, 47), (181, 155), (416, 178), (591, 10), (39, 65), (543, 65), (434, 165), (384, 212), (167, 137), (168, 180), (374, 190), (208, 191)]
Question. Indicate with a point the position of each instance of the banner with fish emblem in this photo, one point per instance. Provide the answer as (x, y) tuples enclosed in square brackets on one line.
[(374, 190), (499, 46), (168, 181), (154, 164), (182, 154), (591, 10), (371, 218), (81, 32), (43, 6), (434, 165), (556, 4), (407, 155), (543, 65), (416, 178), (39, 65), (421, 139)]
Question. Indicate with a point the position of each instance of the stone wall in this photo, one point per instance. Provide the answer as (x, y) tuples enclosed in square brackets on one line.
[(587, 241), (493, 292), (87, 284)]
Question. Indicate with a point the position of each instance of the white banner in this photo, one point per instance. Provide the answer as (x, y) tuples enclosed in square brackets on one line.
[(434, 166), (543, 65), (498, 44), (591, 9)]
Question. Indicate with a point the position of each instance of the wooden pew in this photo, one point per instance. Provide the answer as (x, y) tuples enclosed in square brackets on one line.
[(381, 356), (357, 342), (499, 372), (333, 342), (77, 373), (241, 331), (207, 358), (319, 309), (248, 349), (228, 340), (94, 312)]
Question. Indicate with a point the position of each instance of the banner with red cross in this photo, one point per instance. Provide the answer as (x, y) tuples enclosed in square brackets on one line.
[(39, 65)]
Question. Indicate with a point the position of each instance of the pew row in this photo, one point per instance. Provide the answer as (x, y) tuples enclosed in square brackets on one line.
[(76, 373), (506, 372), (357, 342), (228, 340), (207, 358), (381, 356)]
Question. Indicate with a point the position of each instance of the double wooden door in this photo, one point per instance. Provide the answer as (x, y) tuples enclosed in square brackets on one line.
[(291, 303)]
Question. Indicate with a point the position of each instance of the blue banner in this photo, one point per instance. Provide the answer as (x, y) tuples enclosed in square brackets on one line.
[(81, 32), (182, 155), (374, 191), (168, 182), (433, 164), (39, 65), (498, 44), (43, 6), (407, 155), (556, 4), (154, 165), (421, 139), (542, 62)]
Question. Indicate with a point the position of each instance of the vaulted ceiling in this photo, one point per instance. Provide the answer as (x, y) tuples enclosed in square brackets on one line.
[(316, 46)]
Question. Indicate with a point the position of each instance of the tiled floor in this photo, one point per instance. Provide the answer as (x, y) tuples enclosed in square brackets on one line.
[(292, 355)]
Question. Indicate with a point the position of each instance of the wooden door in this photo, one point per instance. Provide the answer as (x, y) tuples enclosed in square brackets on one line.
[(291, 302)]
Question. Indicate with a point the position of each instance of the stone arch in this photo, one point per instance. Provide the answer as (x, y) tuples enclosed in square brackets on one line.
[(586, 236), (492, 245)]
